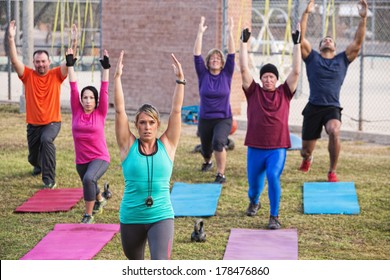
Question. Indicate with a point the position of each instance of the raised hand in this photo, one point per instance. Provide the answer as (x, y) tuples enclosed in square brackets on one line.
[(105, 61), (296, 35), (70, 59), (119, 65), (177, 68), (310, 7), (362, 8), (230, 25), (202, 28), (245, 34), (12, 29), (73, 32)]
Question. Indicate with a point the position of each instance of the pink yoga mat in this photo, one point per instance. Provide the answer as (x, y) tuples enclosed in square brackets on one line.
[(47, 200), (252, 244), (73, 242)]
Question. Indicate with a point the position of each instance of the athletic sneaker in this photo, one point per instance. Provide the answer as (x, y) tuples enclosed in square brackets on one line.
[(220, 179), (306, 163), (36, 171), (99, 205), (50, 186), (252, 209), (87, 219), (332, 177), (206, 166), (274, 223)]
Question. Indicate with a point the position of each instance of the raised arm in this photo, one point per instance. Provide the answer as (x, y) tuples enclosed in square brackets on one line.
[(171, 136), (230, 43), (354, 48), (13, 53), (124, 137), (105, 62), (199, 37), (73, 36), (292, 78), (305, 45), (246, 76)]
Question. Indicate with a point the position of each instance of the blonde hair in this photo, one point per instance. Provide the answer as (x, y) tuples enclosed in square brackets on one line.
[(215, 51), (149, 110)]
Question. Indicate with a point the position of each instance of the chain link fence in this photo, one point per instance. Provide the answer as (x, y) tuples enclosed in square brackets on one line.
[(365, 94)]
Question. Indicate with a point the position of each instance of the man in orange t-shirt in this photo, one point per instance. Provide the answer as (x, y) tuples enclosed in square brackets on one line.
[(43, 112)]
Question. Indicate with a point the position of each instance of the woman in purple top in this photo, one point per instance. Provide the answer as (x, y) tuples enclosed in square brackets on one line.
[(267, 134), (215, 116), (88, 119)]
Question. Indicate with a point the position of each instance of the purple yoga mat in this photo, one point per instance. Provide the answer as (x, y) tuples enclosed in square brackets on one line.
[(47, 200), (73, 242), (254, 244)]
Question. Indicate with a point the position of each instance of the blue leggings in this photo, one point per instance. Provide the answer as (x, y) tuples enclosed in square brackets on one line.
[(261, 162)]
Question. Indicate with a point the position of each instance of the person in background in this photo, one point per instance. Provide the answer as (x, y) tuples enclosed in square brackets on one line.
[(42, 87), (215, 116), (89, 112), (146, 213), (268, 135), (326, 72)]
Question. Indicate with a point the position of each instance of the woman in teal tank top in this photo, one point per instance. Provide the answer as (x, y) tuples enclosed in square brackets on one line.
[(146, 213)]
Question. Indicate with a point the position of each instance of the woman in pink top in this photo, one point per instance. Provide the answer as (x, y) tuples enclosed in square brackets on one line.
[(88, 119)]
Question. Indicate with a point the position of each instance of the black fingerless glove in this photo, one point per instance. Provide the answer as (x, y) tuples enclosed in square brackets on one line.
[(70, 61), (296, 37), (105, 62), (245, 35)]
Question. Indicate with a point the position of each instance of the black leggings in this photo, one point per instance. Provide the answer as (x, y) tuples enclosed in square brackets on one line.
[(213, 135), (89, 174), (159, 236)]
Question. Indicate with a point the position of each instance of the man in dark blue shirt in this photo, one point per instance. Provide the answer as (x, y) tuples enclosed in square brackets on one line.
[(326, 72)]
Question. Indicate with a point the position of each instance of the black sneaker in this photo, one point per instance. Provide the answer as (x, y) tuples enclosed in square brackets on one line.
[(98, 206), (252, 209), (274, 223), (87, 219), (206, 166), (36, 171), (220, 179)]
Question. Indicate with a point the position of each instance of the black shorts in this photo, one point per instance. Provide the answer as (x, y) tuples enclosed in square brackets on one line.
[(315, 117)]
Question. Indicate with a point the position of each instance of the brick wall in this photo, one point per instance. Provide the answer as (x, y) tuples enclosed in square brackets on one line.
[(149, 31)]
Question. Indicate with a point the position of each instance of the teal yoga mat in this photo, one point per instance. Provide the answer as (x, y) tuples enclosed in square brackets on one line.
[(195, 200), (330, 198)]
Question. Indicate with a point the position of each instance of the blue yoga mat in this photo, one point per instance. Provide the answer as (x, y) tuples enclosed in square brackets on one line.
[(296, 142), (195, 200), (330, 198)]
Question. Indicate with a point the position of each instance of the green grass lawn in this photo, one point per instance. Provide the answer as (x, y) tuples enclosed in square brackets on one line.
[(320, 237)]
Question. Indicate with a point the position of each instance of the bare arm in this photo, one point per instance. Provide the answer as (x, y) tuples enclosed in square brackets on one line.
[(199, 37), (171, 136), (353, 49), (231, 45), (305, 45), (124, 137), (16, 63), (246, 76), (292, 78)]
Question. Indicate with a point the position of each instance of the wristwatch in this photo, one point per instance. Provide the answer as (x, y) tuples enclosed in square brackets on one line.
[(182, 82)]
